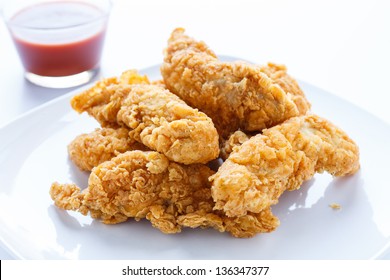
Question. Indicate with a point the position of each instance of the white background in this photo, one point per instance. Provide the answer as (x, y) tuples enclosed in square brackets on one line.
[(340, 46)]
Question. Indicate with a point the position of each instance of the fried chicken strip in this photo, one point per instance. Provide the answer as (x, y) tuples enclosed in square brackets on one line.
[(156, 117), (139, 184), (281, 158), (89, 150), (234, 95)]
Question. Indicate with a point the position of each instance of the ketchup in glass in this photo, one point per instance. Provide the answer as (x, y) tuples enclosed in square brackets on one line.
[(62, 38)]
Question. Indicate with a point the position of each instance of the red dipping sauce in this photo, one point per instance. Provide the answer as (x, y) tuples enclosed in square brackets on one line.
[(57, 39)]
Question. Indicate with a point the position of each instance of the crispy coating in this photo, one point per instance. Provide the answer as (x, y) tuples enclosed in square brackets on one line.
[(103, 100), (234, 140), (278, 74), (97, 96), (235, 95), (159, 83), (139, 184), (89, 150), (282, 157), (156, 117), (163, 122)]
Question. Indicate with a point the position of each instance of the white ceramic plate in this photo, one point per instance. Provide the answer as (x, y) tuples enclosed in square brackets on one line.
[(33, 154)]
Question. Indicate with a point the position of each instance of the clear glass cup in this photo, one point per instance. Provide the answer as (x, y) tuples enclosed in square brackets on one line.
[(59, 42)]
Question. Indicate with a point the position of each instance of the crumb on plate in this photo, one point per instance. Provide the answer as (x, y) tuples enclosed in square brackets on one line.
[(335, 206)]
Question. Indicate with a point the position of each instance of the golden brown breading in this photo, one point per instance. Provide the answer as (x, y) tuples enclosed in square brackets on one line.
[(103, 100), (244, 226), (157, 118), (89, 150), (235, 95), (100, 94), (139, 184), (164, 123), (282, 157), (159, 83), (234, 140), (278, 74)]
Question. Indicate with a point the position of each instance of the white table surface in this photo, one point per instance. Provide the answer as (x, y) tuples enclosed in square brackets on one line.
[(340, 46)]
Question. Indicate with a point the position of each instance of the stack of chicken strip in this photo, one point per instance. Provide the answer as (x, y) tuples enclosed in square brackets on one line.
[(149, 158)]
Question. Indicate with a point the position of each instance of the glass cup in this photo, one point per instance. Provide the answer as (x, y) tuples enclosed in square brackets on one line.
[(59, 42)]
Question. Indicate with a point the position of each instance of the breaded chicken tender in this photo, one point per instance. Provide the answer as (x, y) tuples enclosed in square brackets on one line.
[(234, 95), (139, 184), (89, 150), (281, 158), (156, 117)]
